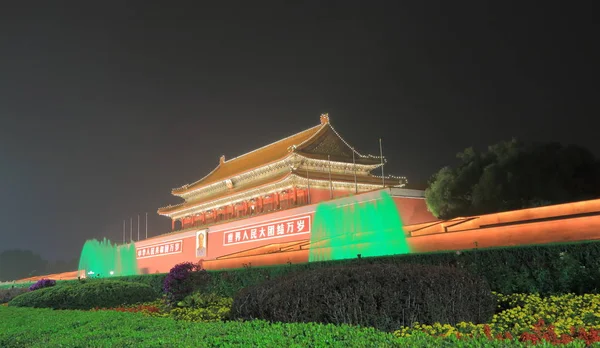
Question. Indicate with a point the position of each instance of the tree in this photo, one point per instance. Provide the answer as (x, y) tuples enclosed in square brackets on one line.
[(511, 175), (18, 264)]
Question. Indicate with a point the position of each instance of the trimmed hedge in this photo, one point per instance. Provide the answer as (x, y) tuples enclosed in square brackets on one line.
[(86, 295), (544, 269), (384, 296)]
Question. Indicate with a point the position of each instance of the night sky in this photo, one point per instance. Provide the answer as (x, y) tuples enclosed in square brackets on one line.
[(104, 109)]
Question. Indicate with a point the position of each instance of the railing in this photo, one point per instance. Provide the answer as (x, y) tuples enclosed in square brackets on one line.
[(199, 224)]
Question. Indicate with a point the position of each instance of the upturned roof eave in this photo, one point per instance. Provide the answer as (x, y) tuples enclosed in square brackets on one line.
[(205, 181), (170, 210)]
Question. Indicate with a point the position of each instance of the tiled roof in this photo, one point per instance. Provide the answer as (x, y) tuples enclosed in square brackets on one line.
[(254, 159), (236, 190), (319, 142), (312, 175)]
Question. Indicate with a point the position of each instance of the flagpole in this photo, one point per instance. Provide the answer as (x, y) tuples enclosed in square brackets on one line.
[(355, 182), (146, 225), (381, 155), (123, 231), (130, 229), (138, 227), (330, 182), (308, 184)]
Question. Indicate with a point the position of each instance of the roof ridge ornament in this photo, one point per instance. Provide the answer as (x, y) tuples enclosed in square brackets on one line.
[(325, 118), (222, 159)]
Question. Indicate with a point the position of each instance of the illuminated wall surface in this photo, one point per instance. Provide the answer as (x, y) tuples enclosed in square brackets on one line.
[(103, 257), (347, 228)]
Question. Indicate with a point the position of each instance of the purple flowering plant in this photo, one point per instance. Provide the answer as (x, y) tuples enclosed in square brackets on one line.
[(42, 283), (180, 281)]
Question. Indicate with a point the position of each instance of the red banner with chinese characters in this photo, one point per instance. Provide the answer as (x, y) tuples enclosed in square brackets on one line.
[(159, 249), (268, 230)]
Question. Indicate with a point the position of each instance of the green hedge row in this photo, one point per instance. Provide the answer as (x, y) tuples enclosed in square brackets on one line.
[(86, 295), (48, 328), (383, 296), (545, 269), (28, 284)]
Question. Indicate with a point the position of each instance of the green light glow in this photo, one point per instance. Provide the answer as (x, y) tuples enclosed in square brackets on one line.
[(103, 257), (346, 229)]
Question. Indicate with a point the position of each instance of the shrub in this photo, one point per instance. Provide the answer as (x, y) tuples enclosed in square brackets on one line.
[(86, 295), (382, 296), (181, 281), (42, 283), (537, 333), (156, 281), (543, 269), (203, 307), (525, 316), (8, 294)]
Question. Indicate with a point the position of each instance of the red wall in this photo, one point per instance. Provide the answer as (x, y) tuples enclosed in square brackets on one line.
[(215, 237), (321, 195), (571, 222), (555, 231), (413, 211), (560, 223)]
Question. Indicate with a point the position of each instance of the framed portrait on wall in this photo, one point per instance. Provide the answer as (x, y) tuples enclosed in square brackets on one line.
[(201, 243)]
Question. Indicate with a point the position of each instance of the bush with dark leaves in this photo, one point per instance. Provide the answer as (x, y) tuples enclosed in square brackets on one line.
[(8, 294), (383, 296), (181, 281), (42, 283)]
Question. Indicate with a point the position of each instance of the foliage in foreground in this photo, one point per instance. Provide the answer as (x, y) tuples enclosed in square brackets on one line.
[(42, 283), (529, 317), (86, 295), (181, 281), (108, 328), (8, 294), (382, 296), (202, 307), (543, 269), (197, 307)]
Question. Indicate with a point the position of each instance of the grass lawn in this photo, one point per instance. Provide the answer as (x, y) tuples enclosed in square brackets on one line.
[(27, 327)]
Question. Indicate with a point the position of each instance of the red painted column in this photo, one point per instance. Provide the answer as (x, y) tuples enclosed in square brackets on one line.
[(172, 224)]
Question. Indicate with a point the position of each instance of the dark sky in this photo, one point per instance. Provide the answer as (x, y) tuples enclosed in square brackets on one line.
[(105, 108)]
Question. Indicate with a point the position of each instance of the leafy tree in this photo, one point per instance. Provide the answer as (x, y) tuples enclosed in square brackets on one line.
[(18, 264), (512, 175)]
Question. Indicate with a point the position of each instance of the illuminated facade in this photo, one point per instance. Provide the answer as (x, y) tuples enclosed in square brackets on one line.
[(262, 206), (312, 197), (309, 167)]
